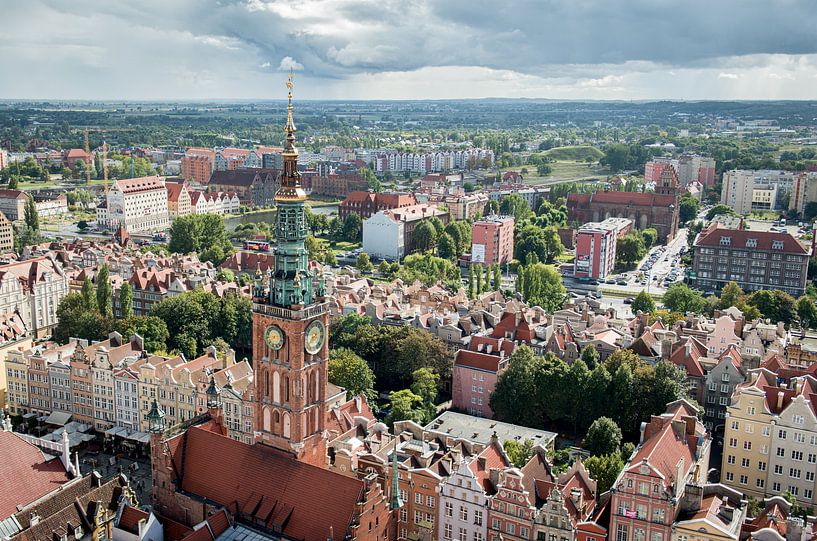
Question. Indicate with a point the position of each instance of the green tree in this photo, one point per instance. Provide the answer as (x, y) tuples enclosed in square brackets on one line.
[(630, 249), (14, 183), (30, 215), (447, 247), (719, 210), (430, 269), (404, 405), (518, 452), (479, 285), (775, 305), (650, 236), (352, 229), (543, 287), (363, 263), (472, 285), (515, 205), (88, 294), (616, 157), (126, 300), (731, 295), (681, 298), (497, 277), (425, 236), (605, 470), (225, 275), (371, 179), (590, 356), (76, 320), (348, 370), (603, 437), (152, 330), (425, 384), (204, 234), (807, 312), (104, 292), (688, 207), (515, 397), (491, 207), (643, 303), (313, 247)]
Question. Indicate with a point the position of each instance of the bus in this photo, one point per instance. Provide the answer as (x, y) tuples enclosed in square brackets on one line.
[(257, 245)]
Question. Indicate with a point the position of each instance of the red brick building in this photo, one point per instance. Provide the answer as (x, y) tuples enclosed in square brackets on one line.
[(338, 185), (659, 210), (365, 204), (492, 240), (197, 165)]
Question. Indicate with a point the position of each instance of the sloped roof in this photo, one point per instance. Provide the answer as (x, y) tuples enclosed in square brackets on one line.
[(739, 237), (255, 478), (28, 476)]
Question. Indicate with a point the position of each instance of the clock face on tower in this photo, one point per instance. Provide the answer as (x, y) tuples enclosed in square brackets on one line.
[(314, 337), (274, 337)]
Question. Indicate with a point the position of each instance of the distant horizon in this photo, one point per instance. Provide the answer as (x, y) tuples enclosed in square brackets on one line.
[(489, 98)]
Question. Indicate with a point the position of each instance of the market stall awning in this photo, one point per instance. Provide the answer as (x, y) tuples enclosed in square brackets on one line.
[(58, 418), (116, 431), (141, 437)]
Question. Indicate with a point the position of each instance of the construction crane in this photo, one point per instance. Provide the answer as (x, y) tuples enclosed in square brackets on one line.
[(87, 162), (105, 166)]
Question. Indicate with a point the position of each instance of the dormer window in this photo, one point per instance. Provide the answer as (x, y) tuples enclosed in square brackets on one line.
[(726, 241), (751, 243), (777, 245)]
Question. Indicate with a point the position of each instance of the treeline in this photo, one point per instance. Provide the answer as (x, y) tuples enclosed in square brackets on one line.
[(546, 392), (186, 323)]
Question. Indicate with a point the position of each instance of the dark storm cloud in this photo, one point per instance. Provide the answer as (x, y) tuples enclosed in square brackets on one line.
[(235, 47)]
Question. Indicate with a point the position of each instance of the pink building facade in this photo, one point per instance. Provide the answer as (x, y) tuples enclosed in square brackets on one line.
[(672, 454), (596, 247), (492, 240), (476, 371)]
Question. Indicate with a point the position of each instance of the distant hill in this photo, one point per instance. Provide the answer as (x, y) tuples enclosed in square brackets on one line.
[(573, 153)]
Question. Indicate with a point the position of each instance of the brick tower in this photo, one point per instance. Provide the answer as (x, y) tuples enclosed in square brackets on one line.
[(290, 329)]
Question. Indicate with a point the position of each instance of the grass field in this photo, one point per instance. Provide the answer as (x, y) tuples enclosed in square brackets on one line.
[(568, 171), (574, 153)]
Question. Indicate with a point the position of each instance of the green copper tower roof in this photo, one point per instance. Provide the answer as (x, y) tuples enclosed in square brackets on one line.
[(291, 283)]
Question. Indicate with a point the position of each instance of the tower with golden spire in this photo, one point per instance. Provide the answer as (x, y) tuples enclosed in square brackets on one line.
[(290, 320)]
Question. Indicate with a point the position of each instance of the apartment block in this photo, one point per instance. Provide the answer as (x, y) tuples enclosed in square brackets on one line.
[(757, 190), (754, 259), (596, 247), (138, 204), (492, 240)]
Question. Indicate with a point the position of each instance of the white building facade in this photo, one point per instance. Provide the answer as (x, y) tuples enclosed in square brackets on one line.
[(383, 236), (138, 203)]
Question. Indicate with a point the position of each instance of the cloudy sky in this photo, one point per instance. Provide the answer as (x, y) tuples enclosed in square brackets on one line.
[(406, 49)]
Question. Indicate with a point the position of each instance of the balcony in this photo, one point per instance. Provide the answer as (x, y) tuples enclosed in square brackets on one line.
[(306, 312)]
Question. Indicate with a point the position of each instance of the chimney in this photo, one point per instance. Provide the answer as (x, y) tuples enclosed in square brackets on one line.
[(576, 497), (779, 400), (688, 347), (489, 348), (643, 429)]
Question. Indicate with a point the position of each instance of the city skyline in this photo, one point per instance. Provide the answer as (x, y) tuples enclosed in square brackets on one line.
[(633, 50)]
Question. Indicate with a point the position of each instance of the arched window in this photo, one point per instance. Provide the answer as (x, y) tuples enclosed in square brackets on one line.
[(266, 384), (276, 387), (287, 427), (267, 426), (286, 388)]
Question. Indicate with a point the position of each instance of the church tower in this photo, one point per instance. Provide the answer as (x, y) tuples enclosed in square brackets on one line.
[(290, 319), (668, 183)]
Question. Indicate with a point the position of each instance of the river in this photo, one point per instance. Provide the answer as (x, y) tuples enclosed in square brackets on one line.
[(269, 215)]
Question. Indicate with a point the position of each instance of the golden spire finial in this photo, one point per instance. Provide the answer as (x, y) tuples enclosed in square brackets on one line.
[(290, 127)]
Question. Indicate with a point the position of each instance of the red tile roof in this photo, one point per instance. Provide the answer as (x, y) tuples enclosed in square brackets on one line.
[(258, 480), (141, 184), (492, 457), (129, 519), (28, 476), (738, 237), (479, 361), (636, 199)]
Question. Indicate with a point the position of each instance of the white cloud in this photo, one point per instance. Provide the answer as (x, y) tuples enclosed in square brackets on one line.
[(289, 64), (732, 76), (265, 65)]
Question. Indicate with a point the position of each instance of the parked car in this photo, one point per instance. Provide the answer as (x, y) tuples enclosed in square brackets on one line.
[(628, 300)]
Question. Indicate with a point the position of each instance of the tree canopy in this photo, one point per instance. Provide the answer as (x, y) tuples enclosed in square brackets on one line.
[(204, 234)]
